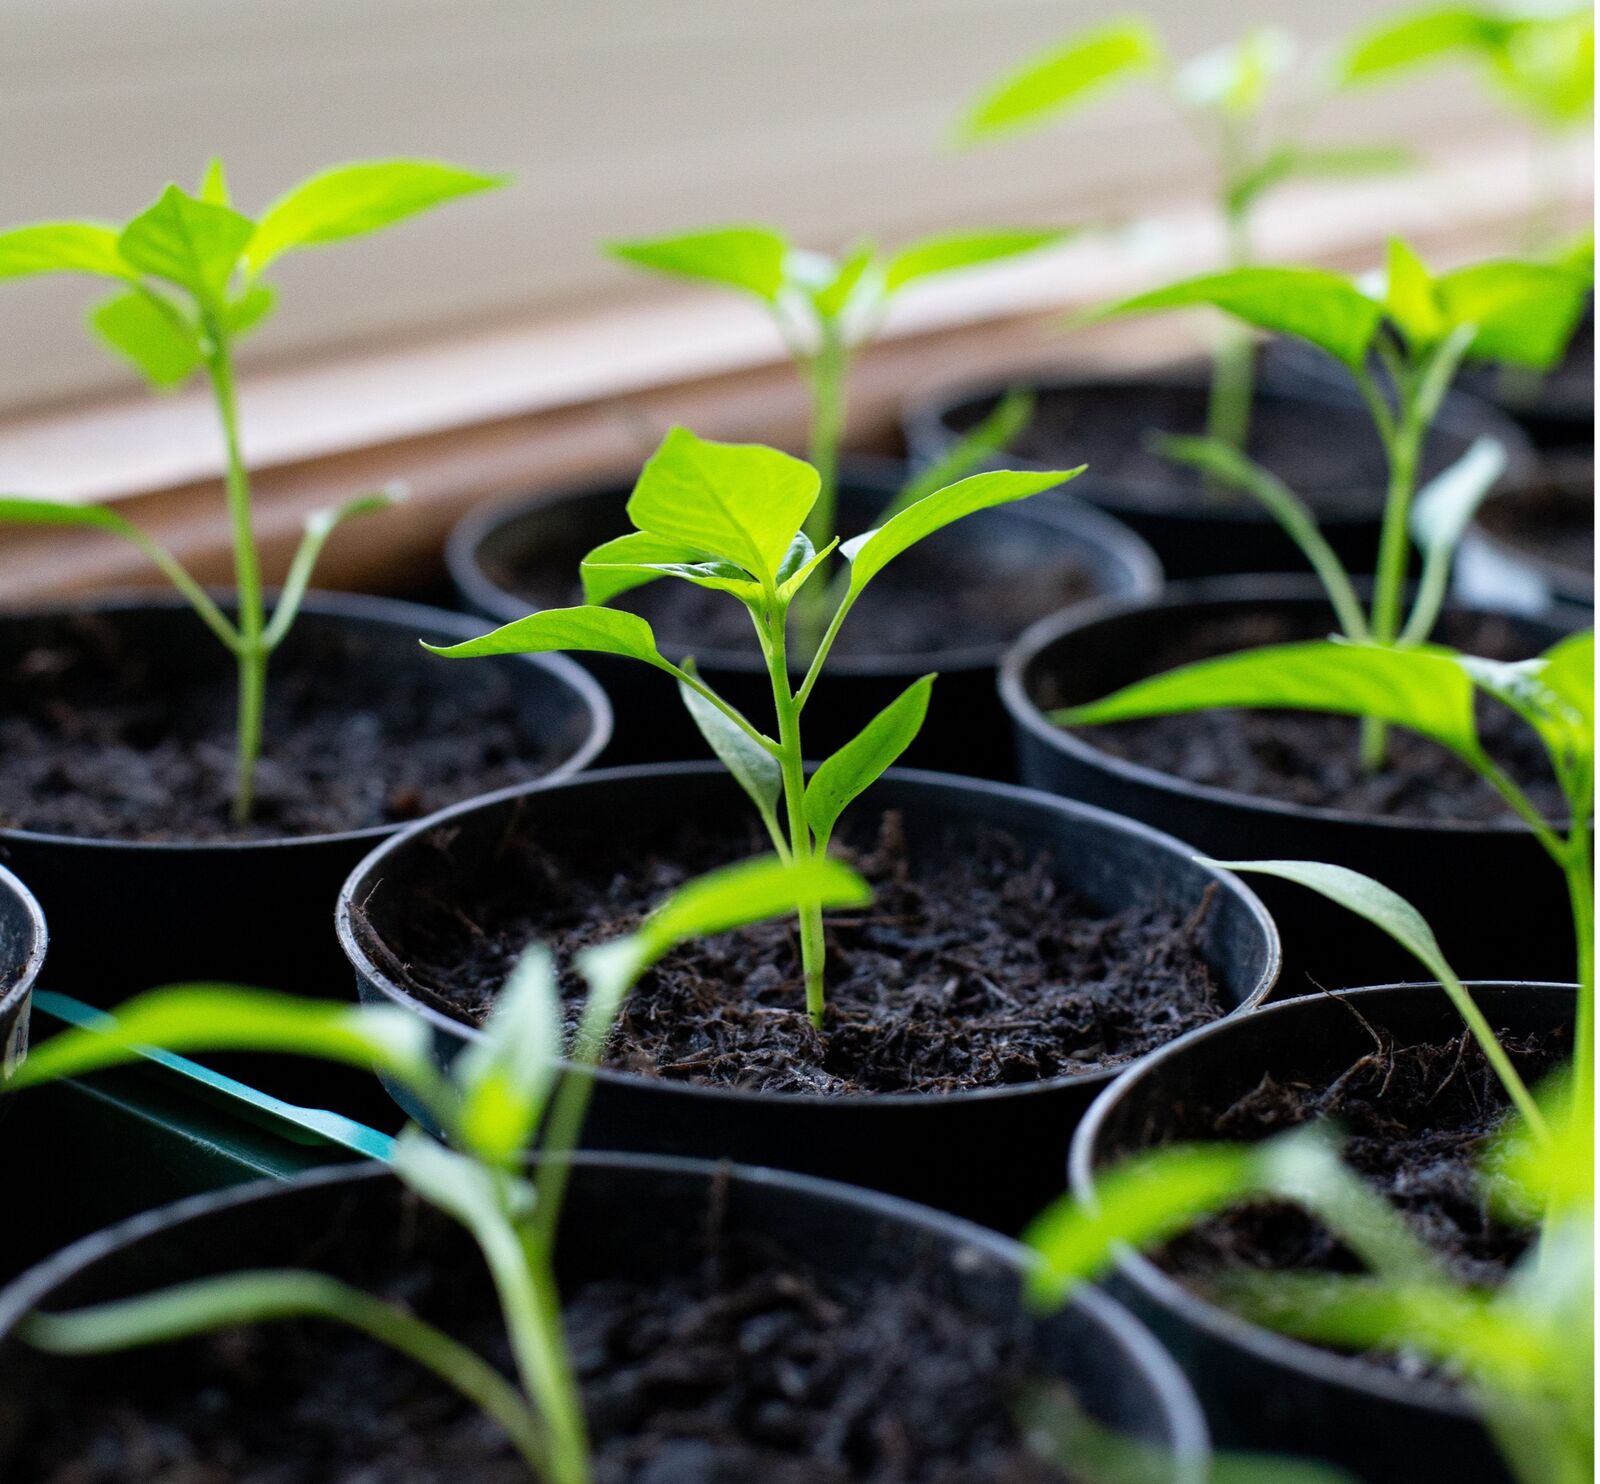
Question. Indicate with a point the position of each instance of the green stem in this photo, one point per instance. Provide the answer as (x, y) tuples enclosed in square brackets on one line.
[(791, 755), (251, 651), (1580, 887), (825, 374), (1234, 361)]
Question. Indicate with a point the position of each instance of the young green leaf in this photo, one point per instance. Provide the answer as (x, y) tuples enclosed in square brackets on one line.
[(1234, 79), (192, 243), (1411, 299), (1322, 308), (739, 501), (150, 333), (869, 553), (748, 258), (944, 254), (752, 767), (1414, 38), (247, 311), (1442, 511), (595, 630), (62, 247), (801, 560), (617, 566), (356, 199), (1425, 690), (855, 268), (861, 761), (1525, 312), (214, 183), (1062, 77)]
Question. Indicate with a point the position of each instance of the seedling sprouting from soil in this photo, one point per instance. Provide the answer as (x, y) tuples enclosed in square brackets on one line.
[(732, 518), (191, 283), (505, 1097), (1229, 96), (1417, 327)]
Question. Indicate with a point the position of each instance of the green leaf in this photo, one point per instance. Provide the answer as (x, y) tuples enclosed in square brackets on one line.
[(1410, 298), (24, 511), (192, 243), (1445, 506), (976, 447), (214, 183), (250, 308), (190, 1017), (801, 560), (1142, 1201), (857, 765), (872, 551), (1234, 79), (953, 250), (151, 334), (755, 769), (617, 566), (1554, 694), (1322, 308), (1425, 690), (749, 892), (506, 1075), (588, 629), (62, 247), (739, 501), (1416, 38), (1062, 77), (356, 199), (748, 258), (1525, 312), (832, 300)]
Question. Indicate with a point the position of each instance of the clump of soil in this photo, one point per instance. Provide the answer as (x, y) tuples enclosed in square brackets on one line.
[(104, 736), (1552, 520), (752, 1368), (1312, 759), (973, 969)]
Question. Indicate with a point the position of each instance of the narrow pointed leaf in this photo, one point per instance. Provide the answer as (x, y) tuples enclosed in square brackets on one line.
[(356, 199), (1233, 79), (250, 308), (857, 765), (20, 510), (800, 563), (1415, 38), (193, 243), (1446, 505), (62, 247), (615, 567), (755, 769), (945, 254), (748, 258), (214, 183), (856, 267), (1410, 298), (159, 342), (593, 630)]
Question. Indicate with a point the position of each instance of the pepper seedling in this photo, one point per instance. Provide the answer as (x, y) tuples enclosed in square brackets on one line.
[(507, 1095), (732, 518), (827, 309), (190, 272), (1539, 62), (1418, 327), (1229, 97)]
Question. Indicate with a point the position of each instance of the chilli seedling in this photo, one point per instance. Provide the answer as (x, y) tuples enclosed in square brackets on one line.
[(1227, 96), (1418, 326), (502, 1099), (190, 283), (732, 518), (826, 309)]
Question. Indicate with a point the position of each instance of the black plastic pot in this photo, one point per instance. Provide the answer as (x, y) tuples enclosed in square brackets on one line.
[(126, 915), (1261, 1390), (1521, 552), (627, 1216), (1192, 533), (993, 1154), (493, 548), (1493, 896), (22, 948)]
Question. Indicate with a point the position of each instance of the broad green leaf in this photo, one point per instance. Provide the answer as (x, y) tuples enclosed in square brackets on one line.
[(857, 765), (62, 247), (353, 200), (872, 551), (1554, 694), (1525, 312), (214, 183), (1410, 299), (944, 254), (1569, 674), (748, 258), (588, 629), (192, 243), (250, 308), (1546, 65), (749, 892), (1062, 77), (614, 567), (755, 769), (739, 501), (1234, 79), (1425, 690), (975, 448), (1141, 1201), (1313, 305), (506, 1075), (223, 1018), (1418, 37), (153, 335)]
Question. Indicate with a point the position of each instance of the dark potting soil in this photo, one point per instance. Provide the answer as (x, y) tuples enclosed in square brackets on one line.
[(101, 740), (924, 601), (1325, 451), (972, 970), (750, 1369), (1552, 520), (1415, 1120), (1311, 759)]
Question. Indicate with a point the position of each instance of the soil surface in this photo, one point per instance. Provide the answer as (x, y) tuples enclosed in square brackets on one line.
[(1552, 521), (1312, 759), (975, 969), (1326, 451), (1416, 1121), (103, 740), (752, 1369)]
